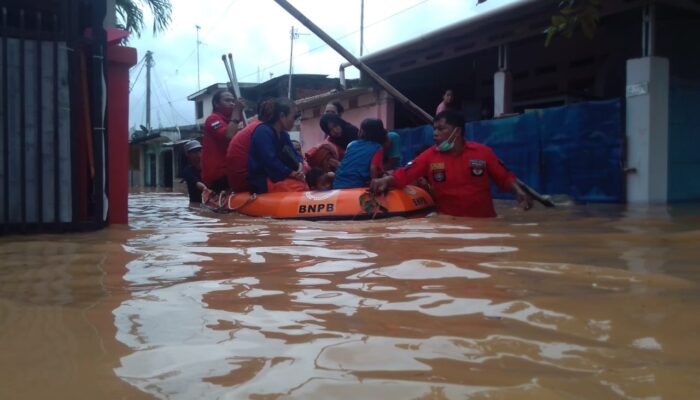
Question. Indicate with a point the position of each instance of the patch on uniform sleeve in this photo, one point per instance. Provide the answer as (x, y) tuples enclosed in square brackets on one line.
[(477, 167), (438, 172), (216, 124)]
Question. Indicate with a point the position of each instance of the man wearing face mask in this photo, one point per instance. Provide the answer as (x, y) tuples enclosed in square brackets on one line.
[(459, 172)]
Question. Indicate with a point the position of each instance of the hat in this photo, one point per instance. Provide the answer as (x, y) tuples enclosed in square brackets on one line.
[(192, 145)]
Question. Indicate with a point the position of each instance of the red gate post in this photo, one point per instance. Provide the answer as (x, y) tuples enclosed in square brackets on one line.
[(119, 60)]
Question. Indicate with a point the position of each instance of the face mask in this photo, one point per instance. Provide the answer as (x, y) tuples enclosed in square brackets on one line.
[(448, 144)]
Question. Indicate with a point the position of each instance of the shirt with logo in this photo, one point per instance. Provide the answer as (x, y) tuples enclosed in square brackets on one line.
[(461, 183), (214, 144)]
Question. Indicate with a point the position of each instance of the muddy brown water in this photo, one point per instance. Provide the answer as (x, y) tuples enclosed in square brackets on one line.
[(578, 302)]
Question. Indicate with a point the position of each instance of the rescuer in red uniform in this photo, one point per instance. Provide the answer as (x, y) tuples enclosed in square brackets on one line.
[(459, 172), (219, 128)]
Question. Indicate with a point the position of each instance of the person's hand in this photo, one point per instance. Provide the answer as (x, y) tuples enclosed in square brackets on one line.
[(238, 105), (379, 185), (524, 199), (237, 112)]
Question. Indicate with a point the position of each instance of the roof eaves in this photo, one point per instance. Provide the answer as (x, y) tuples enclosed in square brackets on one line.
[(484, 16)]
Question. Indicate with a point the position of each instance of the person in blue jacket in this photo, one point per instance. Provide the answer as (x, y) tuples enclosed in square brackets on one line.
[(364, 157), (273, 164)]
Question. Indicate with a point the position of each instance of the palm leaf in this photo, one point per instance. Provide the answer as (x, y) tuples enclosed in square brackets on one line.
[(130, 15)]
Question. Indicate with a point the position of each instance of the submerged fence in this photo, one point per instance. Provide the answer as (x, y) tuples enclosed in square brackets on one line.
[(576, 149), (51, 115)]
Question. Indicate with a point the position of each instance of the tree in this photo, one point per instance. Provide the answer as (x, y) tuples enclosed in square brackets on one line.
[(130, 15), (572, 14)]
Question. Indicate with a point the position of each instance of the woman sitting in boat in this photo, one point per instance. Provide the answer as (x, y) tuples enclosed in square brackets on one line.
[(339, 133), (364, 157), (273, 164), (237, 154)]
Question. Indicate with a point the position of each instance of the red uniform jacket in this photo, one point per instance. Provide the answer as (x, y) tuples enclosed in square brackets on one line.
[(214, 144), (460, 182)]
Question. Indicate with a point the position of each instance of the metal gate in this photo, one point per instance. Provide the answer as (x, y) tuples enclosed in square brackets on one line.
[(52, 163)]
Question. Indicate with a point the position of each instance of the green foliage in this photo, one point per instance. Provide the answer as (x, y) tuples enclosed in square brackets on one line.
[(572, 15), (130, 15)]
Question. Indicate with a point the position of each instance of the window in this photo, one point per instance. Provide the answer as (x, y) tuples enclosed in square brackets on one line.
[(199, 109)]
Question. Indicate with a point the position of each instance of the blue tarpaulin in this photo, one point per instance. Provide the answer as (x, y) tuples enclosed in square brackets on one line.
[(575, 149), (412, 139)]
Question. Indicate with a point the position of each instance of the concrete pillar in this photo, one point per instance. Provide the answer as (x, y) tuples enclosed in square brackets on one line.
[(647, 130), (502, 95), (385, 109), (119, 60)]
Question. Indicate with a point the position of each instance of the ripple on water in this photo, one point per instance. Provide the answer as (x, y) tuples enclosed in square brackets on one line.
[(403, 354), (435, 235), (334, 266), (419, 270), (255, 253), (483, 249), (592, 274)]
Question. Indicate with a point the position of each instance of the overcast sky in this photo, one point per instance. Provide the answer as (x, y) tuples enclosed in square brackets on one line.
[(257, 33)]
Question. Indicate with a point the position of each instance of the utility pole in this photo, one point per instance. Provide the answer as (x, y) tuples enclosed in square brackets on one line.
[(198, 43), (362, 25), (293, 34), (149, 65)]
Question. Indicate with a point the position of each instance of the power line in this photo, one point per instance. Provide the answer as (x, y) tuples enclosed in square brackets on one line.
[(207, 27), (186, 59), (163, 90), (160, 87), (338, 38), (137, 78), (133, 67)]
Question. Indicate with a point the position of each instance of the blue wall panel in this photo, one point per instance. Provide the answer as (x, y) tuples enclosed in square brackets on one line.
[(575, 150)]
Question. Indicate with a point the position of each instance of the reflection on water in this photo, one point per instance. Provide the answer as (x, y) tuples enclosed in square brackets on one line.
[(576, 302)]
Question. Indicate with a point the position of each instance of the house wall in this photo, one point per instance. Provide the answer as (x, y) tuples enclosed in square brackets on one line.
[(567, 71), (150, 166), (675, 29), (206, 106), (135, 167)]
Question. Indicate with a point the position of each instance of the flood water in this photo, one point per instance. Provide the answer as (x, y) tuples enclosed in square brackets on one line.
[(578, 302)]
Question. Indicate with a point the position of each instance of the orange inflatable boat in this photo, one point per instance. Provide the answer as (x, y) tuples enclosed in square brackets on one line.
[(343, 204)]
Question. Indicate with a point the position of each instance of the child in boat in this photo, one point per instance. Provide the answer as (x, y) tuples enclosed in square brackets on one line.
[(319, 180), (363, 158)]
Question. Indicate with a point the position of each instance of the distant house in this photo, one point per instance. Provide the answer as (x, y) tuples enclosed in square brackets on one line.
[(156, 156), (303, 85)]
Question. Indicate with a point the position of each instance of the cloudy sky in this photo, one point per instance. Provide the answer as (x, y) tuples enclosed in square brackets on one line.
[(257, 33)]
